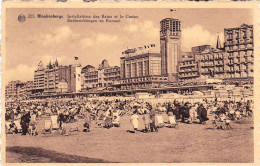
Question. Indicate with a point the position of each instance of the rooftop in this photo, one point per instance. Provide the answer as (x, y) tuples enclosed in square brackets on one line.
[(241, 26), (141, 56), (166, 19)]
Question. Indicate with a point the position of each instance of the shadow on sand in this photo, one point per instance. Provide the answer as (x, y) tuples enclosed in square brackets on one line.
[(31, 154)]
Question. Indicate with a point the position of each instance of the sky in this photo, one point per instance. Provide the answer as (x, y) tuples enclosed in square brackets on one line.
[(37, 40)]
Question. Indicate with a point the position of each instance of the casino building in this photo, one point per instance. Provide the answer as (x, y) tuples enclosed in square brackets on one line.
[(141, 71)]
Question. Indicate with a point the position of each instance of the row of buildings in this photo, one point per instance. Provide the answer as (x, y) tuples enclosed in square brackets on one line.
[(233, 61), (53, 78), (56, 78), (18, 89), (103, 76)]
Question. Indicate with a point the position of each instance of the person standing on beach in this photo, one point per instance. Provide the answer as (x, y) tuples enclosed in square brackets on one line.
[(134, 120), (147, 121), (152, 117), (25, 119), (87, 120)]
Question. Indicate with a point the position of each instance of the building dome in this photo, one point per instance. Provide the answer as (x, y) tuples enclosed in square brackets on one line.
[(104, 64)]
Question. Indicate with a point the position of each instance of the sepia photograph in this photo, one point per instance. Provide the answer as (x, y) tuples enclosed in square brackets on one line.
[(138, 84)]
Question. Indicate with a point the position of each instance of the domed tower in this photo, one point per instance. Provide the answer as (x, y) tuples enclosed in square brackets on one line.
[(104, 64), (170, 41)]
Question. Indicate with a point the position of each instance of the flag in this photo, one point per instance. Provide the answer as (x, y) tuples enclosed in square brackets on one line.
[(76, 58), (152, 45), (172, 10), (140, 48)]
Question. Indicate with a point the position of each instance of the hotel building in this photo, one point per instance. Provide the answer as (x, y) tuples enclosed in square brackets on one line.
[(56, 79), (102, 77), (188, 70), (51, 78), (11, 89), (39, 79), (232, 62), (18, 89), (239, 45)]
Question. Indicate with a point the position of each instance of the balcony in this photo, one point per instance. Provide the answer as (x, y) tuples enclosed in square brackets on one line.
[(186, 65), (242, 60), (189, 75), (235, 48), (229, 39), (219, 64), (230, 63), (249, 46), (219, 58), (203, 65), (219, 71), (249, 41), (236, 61), (250, 60)]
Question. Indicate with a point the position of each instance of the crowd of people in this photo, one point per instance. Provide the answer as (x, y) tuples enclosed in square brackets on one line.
[(24, 116)]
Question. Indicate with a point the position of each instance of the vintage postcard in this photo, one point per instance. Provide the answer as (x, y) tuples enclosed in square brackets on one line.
[(130, 83)]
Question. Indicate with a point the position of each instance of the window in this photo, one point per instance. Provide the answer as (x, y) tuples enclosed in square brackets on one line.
[(140, 69), (128, 71), (146, 68), (155, 67), (133, 70)]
